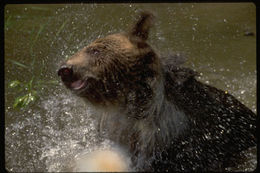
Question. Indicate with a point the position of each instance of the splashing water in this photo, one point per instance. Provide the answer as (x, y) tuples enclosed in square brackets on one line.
[(58, 129), (55, 138)]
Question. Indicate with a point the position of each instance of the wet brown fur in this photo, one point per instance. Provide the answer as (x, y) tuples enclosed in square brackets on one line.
[(154, 107)]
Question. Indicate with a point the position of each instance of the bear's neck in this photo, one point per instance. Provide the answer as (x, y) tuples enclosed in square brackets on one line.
[(164, 123), (160, 126)]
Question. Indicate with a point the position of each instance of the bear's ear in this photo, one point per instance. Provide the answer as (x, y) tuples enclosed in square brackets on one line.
[(142, 26)]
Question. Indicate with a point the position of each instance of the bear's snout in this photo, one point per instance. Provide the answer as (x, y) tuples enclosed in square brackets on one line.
[(65, 73), (70, 79)]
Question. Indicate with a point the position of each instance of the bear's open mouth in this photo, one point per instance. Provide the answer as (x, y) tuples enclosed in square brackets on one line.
[(71, 80), (78, 84)]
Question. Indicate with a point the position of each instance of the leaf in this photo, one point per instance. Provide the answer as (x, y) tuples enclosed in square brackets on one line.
[(27, 100), (14, 83), (19, 101), (7, 22), (23, 101), (30, 84), (52, 82), (18, 63), (39, 32), (40, 8), (62, 26), (42, 83), (32, 97), (20, 89)]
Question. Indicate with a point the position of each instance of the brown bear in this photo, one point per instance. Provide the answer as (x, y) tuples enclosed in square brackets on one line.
[(156, 109)]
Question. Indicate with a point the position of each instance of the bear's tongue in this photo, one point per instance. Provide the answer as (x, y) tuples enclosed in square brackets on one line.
[(78, 84)]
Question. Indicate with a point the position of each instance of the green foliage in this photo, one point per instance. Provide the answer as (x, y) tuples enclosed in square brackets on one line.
[(29, 91), (62, 26), (14, 83), (8, 22), (18, 63), (23, 101)]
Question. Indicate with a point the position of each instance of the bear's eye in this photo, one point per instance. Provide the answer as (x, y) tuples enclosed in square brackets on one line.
[(93, 51)]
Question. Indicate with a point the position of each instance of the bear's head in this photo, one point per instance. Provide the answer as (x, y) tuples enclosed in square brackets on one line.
[(119, 70)]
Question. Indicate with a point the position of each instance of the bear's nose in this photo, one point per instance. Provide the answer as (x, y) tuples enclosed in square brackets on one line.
[(65, 72)]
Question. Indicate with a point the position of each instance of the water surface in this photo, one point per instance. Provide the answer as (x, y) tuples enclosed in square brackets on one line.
[(218, 39)]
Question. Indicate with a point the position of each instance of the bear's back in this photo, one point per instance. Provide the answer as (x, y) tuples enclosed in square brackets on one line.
[(220, 127)]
